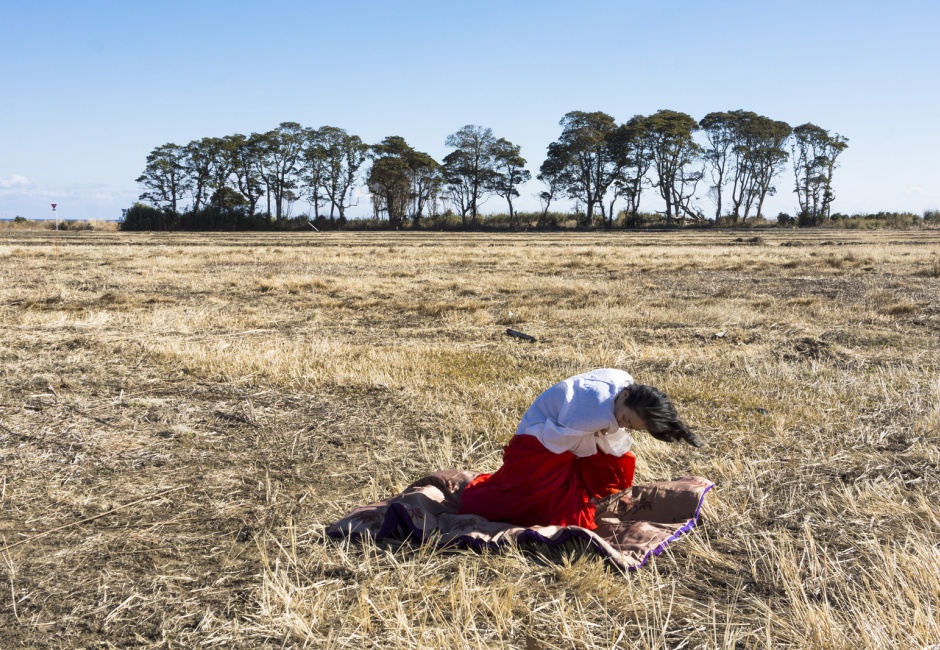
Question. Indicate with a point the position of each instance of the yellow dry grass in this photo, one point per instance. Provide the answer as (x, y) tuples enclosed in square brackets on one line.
[(50, 224), (181, 416)]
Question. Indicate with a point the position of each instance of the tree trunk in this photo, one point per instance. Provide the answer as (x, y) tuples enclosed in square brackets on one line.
[(543, 221)]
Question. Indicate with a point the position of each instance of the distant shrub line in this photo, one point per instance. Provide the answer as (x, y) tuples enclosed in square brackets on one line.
[(142, 217)]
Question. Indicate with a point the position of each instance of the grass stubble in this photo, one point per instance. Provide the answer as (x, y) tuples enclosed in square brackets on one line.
[(182, 416)]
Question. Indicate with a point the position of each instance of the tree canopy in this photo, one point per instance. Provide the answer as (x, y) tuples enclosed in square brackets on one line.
[(815, 151), (583, 159), (403, 181)]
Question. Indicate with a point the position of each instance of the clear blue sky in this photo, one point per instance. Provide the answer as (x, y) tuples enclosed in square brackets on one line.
[(88, 89)]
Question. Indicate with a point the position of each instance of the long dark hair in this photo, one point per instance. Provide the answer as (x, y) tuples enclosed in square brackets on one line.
[(657, 412)]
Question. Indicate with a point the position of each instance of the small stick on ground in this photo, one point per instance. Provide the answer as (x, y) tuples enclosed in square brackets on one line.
[(520, 335)]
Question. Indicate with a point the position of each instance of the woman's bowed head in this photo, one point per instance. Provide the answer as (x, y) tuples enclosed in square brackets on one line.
[(645, 408)]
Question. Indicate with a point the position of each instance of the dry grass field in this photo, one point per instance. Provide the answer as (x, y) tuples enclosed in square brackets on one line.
[(181, 416)]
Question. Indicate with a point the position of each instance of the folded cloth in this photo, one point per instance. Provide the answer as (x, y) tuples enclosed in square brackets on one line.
[(632, 525)]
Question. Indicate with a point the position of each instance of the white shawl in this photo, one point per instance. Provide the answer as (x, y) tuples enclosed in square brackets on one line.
[(577, 415)]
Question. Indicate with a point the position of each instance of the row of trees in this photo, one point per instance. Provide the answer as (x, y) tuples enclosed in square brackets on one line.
[(232, 174), (406, 183), (595, 162)]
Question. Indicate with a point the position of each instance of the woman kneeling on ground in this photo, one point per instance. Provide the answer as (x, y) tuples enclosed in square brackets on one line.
[(571, 449)]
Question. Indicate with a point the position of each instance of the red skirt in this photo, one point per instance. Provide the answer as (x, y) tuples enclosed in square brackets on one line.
[(537, 487)]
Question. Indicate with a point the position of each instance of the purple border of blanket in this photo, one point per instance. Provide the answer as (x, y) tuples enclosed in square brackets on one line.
[(689, 525), (397, 518)]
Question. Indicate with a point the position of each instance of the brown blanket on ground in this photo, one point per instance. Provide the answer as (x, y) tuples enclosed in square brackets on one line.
[(632, 525)]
